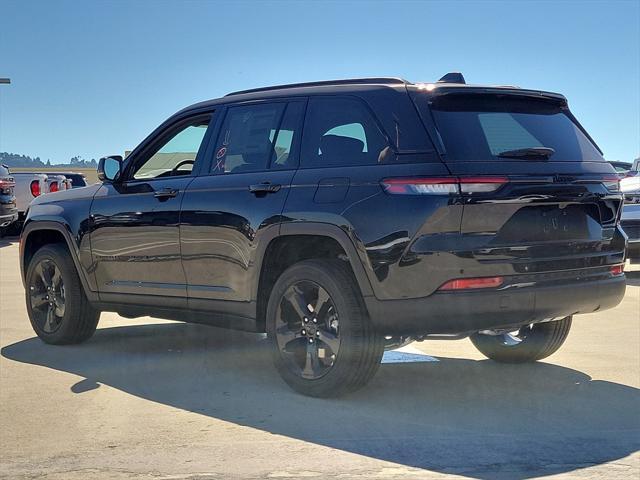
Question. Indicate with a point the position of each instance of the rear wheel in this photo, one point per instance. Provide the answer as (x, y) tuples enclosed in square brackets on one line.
[(322, 341), (527, 344), (58, 308)]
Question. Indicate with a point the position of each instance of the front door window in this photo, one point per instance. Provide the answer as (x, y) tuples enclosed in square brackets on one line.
[(176, 155)]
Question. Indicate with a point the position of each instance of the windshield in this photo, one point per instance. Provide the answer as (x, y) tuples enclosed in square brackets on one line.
[(493, 127)]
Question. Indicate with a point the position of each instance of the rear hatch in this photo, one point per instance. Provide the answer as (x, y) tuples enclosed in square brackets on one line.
[(551, 203)]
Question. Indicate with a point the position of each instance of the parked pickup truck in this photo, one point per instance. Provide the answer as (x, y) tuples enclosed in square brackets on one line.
[(630, 183), (75, 179), (57, 182), (28, 186), (630, 223), (8, 211)]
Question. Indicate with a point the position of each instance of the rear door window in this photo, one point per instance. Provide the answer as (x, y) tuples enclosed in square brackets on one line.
[(482, 127), (247, 139), (340, 131)]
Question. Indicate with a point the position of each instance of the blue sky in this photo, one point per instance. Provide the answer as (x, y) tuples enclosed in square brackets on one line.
[(94, 78)]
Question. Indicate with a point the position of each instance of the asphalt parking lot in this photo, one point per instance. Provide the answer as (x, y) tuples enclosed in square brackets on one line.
[(151, 399)]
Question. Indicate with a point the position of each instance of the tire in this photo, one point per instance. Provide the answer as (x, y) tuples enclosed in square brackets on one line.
[(61, 315), (531, 343), (347, 348)]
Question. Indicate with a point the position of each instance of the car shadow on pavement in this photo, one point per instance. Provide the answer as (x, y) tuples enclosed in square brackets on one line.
[(478, 419)]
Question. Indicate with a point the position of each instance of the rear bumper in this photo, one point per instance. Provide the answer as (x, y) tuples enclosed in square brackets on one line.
[(8, 217), (465, 312)]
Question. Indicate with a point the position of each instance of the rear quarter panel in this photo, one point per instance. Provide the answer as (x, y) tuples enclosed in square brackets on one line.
[(381, 226)]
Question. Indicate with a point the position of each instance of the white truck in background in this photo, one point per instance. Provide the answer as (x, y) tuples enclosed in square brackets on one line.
[(57, 182), (630, 184), (30, 185)]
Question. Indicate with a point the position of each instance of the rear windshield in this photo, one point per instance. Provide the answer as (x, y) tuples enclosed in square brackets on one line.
[(4, 170), (484, 127)]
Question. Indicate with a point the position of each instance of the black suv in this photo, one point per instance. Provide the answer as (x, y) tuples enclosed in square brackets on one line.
[(342, 218)]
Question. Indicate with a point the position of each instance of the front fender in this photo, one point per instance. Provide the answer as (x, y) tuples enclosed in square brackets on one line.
[(62, 228)]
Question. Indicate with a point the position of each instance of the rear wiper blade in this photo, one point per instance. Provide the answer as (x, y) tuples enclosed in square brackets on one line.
[(533, 153)]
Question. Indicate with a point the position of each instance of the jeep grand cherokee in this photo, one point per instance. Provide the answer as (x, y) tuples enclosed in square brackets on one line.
[(342, 218)]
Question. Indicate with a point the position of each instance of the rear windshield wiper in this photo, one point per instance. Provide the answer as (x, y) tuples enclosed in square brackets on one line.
[(533, 153)]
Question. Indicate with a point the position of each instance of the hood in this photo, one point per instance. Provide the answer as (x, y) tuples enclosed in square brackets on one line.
[(63, 195)]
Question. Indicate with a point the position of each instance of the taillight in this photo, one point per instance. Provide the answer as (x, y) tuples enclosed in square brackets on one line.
[(35, 188), (611, 182), (442, 185), (53, 187), (617, 269), (6, 184), (472, 283), (420, 186), (481, 184)]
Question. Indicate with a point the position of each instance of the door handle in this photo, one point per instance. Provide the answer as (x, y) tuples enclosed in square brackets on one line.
[(264, 188), (166, 193)]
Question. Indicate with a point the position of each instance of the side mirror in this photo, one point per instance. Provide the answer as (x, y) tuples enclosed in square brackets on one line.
[(109, 168)]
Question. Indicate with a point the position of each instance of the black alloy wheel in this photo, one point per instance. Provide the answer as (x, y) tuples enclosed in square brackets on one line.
[(322, 341), (47, 296), (58, 308), (307, 329)]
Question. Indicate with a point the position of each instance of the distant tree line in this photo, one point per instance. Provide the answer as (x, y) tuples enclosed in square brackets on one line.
[(24, 161)]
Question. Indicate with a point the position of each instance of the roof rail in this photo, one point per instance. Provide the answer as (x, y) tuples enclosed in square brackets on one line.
[(348, 81)]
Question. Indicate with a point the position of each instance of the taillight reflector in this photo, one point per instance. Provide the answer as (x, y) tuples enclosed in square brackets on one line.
[(617, 269), (442, 185), (6, 184), (35, 188), (472, 283), (53, 187)]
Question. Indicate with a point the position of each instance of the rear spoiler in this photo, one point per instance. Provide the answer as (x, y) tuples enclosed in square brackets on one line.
[(441, 90)]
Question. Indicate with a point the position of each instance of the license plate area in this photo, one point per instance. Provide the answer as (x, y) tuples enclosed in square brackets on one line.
[(542, 223)]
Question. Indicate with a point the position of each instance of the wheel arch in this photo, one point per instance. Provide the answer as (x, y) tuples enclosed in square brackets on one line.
[(308, 240), (35, 235)]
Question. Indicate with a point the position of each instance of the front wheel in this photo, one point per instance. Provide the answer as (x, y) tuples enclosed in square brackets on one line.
[(58, 308), (527, 344), (322, 341)]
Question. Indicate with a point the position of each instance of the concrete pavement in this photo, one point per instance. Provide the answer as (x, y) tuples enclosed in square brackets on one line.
[(151, 399)]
